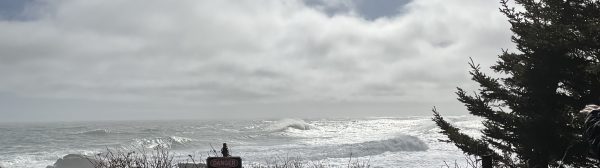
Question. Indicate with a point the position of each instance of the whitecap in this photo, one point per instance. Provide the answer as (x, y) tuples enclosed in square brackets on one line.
[(164, 142), (285, 124)]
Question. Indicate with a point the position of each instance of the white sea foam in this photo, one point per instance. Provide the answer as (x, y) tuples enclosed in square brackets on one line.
[(285, 124), (165, 142)]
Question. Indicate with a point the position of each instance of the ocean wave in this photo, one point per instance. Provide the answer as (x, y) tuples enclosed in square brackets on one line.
[(71, 127), (165, 142), (96, 132), (230, 130), (285, 124), (151, 130), (399, 143)]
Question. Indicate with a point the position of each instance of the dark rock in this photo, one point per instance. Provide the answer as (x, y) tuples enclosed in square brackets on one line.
[(191, 165), (74, 161)]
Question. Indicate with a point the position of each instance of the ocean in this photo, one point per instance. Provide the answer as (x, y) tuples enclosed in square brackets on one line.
[(379, 142)]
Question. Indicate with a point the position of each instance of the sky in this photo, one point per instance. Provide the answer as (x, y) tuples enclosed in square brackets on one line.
[(74, 60)]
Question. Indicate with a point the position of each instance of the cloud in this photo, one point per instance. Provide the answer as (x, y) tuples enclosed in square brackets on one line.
[(368, 9), (233, 51)]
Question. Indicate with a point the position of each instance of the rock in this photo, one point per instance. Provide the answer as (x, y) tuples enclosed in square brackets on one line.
[(191, 165), (74, 161)]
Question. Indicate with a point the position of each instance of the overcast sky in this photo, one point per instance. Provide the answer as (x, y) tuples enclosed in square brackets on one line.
[(205, 59)]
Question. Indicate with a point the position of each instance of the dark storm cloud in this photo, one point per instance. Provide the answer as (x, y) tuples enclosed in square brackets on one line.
[(15, 9), (368, 9), (373, 9)]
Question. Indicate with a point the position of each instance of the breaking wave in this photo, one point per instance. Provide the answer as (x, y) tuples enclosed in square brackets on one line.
[(285, 124), (165, 142), (399, 143)]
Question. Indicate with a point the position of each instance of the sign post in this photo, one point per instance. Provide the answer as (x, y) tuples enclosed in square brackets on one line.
[(224, 162), (486, 161)]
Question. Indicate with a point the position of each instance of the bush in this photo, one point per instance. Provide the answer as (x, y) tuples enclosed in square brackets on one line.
[(160, 157)]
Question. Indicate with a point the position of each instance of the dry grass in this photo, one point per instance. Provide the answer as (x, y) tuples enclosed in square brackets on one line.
[(162, 158), (471, 162), (138, 158)]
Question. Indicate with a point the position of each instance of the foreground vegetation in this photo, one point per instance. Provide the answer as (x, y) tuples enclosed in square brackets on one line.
[(163, 158)]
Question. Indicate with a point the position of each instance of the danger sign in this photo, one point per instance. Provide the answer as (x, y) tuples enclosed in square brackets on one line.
[(224, 162)]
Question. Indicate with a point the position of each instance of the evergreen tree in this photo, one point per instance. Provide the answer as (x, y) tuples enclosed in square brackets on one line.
[(530, 114)]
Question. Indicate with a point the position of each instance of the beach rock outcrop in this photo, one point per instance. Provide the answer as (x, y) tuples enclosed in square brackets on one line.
[(191, 165), (74, 161)]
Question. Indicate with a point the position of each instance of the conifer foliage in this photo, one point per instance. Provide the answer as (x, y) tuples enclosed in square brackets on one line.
[(531, 114)]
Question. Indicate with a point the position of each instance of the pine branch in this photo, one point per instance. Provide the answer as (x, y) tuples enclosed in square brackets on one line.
[(464, 142)]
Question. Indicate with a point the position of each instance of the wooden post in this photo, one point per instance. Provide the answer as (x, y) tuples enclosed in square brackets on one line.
[(486, 161)]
